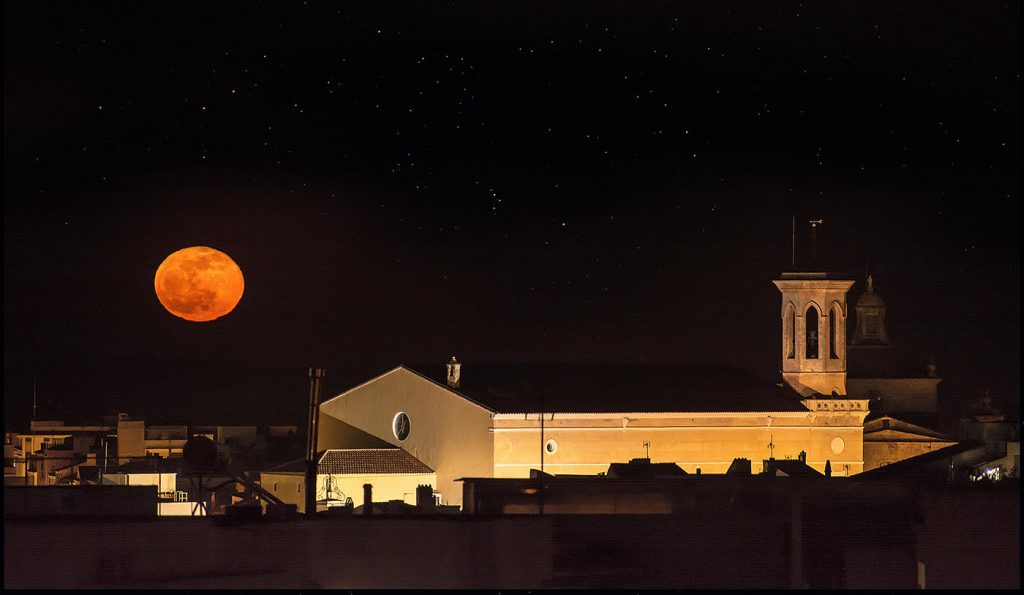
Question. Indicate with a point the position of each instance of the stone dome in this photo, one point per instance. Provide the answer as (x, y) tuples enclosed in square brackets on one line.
[(870, 299)]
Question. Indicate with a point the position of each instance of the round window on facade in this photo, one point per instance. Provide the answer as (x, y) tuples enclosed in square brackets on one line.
[(838, 445), (551, 446), (400, 426)]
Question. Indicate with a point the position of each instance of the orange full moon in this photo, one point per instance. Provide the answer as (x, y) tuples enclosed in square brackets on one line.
[(199, 284)]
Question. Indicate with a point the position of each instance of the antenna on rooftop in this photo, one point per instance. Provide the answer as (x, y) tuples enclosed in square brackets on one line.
[(647, 447), (540, 476), (771, 446), (792, 243)]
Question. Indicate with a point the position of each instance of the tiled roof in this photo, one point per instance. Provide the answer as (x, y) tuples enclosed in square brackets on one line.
[(359, 461), (644, 469), (791, 467), (615, 387)]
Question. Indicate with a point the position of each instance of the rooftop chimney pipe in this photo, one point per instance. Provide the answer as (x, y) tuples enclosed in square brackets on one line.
[(454, 371), (367, 499), (316, 376)]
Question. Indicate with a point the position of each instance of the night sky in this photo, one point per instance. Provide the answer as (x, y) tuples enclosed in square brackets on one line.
[(591, 181)]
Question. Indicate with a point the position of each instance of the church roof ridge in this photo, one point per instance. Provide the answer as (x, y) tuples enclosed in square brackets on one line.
[(596, 387)]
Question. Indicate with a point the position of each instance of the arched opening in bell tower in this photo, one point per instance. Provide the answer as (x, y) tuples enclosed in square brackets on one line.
[(789, 332), (811, 327), (833, 332)]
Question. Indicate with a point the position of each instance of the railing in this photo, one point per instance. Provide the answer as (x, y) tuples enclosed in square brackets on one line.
[(173, 496)]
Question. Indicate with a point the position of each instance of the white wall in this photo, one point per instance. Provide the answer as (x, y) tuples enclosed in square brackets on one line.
[(178, 509), (448, 433)]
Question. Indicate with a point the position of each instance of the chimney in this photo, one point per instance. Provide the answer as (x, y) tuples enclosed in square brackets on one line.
[(802, 457), (425, 498), (454, 372), (367, 499)]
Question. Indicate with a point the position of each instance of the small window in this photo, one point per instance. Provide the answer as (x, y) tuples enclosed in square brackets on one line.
[(885, 424), (298, 488), (551, 446), (275, 486), (400, 426)]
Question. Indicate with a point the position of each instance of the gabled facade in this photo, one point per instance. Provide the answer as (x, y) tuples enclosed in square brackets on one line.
[(446, 431), (888, 440)]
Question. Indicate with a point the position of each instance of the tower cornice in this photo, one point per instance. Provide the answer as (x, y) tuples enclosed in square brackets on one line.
[(812, 283)]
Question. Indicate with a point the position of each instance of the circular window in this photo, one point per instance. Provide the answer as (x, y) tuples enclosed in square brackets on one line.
[(551, 446), (838, 445), (400, 426)]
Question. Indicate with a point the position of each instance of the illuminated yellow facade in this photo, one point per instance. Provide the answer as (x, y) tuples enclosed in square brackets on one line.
[(585, 444), (459, 438)]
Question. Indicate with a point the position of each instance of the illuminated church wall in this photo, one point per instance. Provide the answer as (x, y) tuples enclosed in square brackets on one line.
[(448, 433), (455, 436), (587, 443)]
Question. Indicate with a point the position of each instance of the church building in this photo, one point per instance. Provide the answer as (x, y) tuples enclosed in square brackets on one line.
[(502, 420)]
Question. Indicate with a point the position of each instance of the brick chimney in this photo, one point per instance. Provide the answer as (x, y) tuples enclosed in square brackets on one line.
[(367, 499), (425, 498)]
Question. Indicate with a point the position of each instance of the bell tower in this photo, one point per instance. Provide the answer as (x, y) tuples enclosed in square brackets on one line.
[(814, 332)]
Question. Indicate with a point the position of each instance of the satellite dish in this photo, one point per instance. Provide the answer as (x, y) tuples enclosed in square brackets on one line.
[(200, 454)]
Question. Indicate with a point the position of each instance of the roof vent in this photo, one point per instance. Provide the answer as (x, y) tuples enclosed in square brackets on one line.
[(454, 372)]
